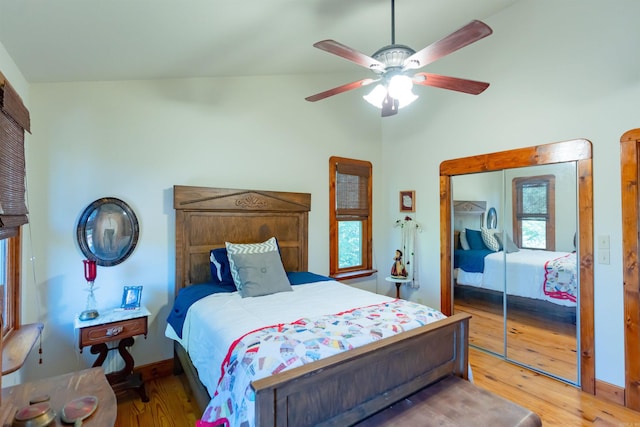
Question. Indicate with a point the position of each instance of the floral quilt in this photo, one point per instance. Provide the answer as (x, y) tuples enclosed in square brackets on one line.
[(276, 348), (560, 278)]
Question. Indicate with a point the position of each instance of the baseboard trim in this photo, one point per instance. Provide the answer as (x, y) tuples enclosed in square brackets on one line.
[(610, 392), (154, 370)]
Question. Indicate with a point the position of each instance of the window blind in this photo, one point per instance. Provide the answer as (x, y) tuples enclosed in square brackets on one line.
[(14, 120), (352, 184)]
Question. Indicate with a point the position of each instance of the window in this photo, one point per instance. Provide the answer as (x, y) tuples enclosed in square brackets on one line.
[(534, 212), (10, 283), (350, 218), (14, 120)]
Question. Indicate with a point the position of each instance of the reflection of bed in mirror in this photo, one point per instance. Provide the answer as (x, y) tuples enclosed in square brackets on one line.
[(542, 281)]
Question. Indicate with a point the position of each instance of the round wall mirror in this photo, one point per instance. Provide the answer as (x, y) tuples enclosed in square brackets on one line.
[(107, 231), (492, 218)]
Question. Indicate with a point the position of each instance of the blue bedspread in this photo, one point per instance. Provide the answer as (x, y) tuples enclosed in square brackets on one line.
[(471, 261), (300, 277), (189, 295)]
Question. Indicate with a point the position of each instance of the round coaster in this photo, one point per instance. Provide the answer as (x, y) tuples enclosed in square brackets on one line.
[(39, 399), (79, 409), (36, 415)]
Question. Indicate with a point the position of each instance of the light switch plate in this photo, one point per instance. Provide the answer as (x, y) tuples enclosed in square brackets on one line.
[(603, 256), (603, 242)]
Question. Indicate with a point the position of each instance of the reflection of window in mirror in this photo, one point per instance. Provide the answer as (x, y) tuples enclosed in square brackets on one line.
[(534, 212)]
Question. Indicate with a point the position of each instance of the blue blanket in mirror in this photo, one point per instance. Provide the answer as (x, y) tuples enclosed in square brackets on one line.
[(471, 261)]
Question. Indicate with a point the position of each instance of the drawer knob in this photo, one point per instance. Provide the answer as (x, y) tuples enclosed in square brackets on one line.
[(111, 332)]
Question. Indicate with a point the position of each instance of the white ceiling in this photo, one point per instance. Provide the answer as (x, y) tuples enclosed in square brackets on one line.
[(95, 40)]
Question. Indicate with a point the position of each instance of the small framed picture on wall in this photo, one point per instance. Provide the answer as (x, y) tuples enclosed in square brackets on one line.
[(408, 201)]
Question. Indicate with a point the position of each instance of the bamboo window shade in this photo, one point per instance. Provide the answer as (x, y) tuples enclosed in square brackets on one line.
[(352, 184), (14, 120)]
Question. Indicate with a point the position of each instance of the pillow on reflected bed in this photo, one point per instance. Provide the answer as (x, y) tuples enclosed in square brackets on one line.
[(474, 238), (256, 268)]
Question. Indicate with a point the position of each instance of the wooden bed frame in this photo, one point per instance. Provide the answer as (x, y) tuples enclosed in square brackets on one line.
[(342, 389)]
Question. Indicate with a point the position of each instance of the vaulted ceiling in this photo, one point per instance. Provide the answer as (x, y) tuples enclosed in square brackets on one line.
[(95, 40)]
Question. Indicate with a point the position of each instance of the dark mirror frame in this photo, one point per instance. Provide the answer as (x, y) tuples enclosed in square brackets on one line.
[(107, 231)]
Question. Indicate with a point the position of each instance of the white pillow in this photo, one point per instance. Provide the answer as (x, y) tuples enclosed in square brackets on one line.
[(463, 241)]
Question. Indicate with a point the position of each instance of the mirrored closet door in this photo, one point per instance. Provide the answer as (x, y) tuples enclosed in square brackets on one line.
[(515, 249)]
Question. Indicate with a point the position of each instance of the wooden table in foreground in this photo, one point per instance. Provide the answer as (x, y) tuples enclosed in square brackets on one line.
[(63, 389)]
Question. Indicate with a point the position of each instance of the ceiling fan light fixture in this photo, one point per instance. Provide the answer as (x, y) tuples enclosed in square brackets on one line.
[(376, 96), (400, 88)]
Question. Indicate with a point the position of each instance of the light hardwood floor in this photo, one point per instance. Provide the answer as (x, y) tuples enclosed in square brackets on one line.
[(542, 343), (557, 403)]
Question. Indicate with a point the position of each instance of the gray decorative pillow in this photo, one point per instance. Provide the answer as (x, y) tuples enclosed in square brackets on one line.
[(508, 244), (257, 269)]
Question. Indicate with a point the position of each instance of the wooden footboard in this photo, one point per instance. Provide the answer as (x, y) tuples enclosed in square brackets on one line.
[(346, 388), (349, 387)]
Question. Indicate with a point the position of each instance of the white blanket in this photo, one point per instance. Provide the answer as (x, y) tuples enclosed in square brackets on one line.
[(525, 273), (214, 322)]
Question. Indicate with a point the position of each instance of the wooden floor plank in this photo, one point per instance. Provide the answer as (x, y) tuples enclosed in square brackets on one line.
[(170, 405), (557, 403), (542, 343)]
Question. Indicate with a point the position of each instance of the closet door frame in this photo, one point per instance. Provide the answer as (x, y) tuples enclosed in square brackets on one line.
[(579, 151), (630, 174)]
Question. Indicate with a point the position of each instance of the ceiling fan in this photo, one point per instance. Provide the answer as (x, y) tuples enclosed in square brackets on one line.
[(394, 65)]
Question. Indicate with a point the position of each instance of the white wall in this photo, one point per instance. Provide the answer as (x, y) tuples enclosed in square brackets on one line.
[(558, 70), (134, 140)]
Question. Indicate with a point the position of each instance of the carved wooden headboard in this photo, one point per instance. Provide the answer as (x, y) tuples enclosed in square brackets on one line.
[(468, 214), (206, 218)]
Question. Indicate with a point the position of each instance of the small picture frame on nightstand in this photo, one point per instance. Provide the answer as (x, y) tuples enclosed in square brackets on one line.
[(131, 296)]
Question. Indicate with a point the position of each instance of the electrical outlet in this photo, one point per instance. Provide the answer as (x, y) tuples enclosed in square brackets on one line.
[(603, 242), (603, 256)]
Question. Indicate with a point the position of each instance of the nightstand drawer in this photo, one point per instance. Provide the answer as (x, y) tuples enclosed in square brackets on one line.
[(113, 331)]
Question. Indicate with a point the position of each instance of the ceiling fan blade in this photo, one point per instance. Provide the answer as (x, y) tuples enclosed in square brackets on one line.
[(472, 32), (350, 54), (452, 83), (340, 89)]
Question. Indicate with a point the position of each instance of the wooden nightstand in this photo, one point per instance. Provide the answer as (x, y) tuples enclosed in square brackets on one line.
[(115, 325)]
